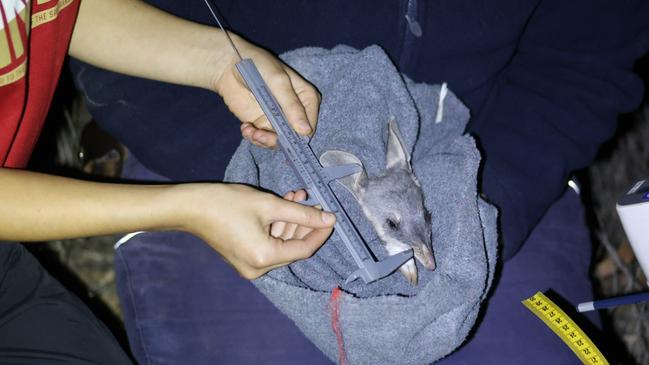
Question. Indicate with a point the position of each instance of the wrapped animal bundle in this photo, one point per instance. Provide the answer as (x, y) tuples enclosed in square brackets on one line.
[(418, 189)]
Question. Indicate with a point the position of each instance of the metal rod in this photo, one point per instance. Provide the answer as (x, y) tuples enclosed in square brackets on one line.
[(221, 26)]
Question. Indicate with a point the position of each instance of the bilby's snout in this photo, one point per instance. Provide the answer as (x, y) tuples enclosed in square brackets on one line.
[(393, 202), (424, 255)]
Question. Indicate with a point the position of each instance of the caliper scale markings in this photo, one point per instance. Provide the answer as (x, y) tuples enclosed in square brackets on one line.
[(564, 327)]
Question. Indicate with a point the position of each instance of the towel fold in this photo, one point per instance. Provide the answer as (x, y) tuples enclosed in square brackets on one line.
[(388, 321)]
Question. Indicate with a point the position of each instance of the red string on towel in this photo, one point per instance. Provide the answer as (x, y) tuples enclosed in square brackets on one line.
[(334, 307)]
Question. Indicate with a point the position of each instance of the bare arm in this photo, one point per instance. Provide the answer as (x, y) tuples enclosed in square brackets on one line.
[(134, 38), (38, 207), (234, 219)]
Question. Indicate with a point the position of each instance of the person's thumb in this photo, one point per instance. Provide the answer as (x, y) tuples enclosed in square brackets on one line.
[(290, 103), (290, 212)]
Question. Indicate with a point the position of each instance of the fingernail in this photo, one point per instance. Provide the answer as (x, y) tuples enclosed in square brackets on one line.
[(305, 126), (328, 218), (262, 139)]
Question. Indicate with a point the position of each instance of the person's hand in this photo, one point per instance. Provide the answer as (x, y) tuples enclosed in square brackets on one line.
[(299, 100), (286, 230), (236, 221)]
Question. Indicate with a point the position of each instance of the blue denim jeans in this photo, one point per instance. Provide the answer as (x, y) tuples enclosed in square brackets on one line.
[(183, 304)]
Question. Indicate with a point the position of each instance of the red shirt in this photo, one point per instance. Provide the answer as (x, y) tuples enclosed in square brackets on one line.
[(34, 39)]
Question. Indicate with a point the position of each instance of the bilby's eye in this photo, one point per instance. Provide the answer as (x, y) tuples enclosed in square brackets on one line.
[(392, 223)]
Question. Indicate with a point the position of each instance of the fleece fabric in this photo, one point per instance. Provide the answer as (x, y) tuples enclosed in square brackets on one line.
[(388, 321)]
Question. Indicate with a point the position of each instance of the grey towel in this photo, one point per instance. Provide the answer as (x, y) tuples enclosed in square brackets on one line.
[(389, 321)]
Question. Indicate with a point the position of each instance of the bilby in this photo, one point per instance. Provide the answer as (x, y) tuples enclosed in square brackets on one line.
[(393, 202)]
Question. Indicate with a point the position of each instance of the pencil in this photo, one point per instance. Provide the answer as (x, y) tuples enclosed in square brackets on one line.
[(613, 302)]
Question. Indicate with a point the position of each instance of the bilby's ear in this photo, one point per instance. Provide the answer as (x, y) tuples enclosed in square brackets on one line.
[(396, 156), (354, 182)]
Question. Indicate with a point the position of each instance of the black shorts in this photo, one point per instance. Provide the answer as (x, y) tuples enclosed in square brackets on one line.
[(42, 323)]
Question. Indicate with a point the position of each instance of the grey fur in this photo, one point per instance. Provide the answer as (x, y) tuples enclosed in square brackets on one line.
[(392, 202)]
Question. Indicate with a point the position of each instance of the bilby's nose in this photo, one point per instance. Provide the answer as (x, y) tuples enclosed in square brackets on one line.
[(424, 255)]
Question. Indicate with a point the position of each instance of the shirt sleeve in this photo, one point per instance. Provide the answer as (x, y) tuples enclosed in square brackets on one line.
[(555, 102)]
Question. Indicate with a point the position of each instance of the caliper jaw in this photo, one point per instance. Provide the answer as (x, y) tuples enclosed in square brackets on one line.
[(375, 270)]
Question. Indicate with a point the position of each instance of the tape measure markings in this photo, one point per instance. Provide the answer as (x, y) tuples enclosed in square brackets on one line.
[(565, 328)]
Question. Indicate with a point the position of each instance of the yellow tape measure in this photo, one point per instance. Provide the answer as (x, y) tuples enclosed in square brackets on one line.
[(565, 328)]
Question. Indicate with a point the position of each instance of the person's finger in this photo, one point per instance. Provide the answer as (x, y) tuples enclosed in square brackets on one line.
[(308, 95), (301, 232), (246, 130), (291, 105), (277, 229), (290, 212), (261, 132), (290, 228), (287, 251), (285, 233), (256, 143), (289, 231), (251, 135), (265, 138), (299, 195), (261, 122)]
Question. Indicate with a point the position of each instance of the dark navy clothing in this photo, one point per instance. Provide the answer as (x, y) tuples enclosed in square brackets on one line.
[(544, 80), (42, 323)]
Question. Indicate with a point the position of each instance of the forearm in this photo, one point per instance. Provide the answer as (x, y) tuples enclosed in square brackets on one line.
[(37, 207), (134, 38), (234, 219)]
